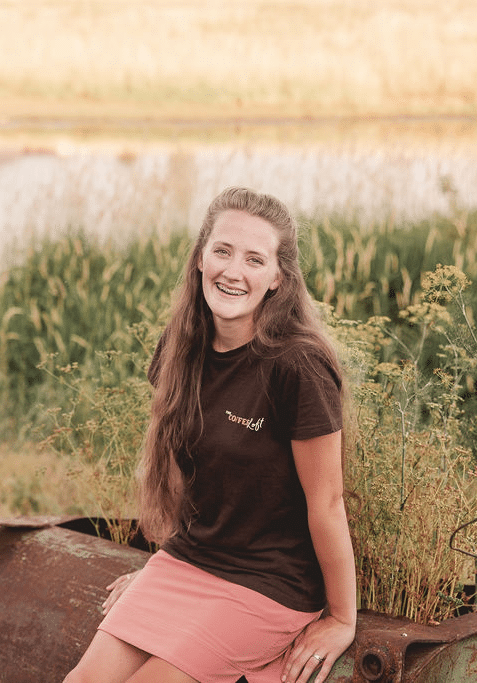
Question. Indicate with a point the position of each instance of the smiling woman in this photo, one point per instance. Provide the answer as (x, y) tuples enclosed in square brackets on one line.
[(239, 266), (241, 477)]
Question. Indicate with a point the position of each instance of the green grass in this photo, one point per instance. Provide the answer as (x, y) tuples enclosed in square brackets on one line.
[(75, 300), (377, 270), (78, 324)]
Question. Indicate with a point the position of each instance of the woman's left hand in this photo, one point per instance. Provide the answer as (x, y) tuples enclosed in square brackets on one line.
[(116, 589), (318, 646)]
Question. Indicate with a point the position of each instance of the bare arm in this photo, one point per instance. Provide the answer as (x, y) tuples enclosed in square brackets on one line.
[(318, 464)]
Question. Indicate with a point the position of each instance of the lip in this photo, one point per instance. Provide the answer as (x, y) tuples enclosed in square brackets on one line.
[(230, 291)]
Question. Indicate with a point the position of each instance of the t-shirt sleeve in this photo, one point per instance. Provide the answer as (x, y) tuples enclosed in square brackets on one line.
[(310, 400)]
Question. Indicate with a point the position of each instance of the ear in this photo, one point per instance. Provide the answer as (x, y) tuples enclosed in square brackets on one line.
[(199, 262), (276, 282)]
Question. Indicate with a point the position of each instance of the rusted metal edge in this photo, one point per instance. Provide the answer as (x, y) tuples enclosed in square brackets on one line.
[(453, 535), (53, 584), (36, 522), (92, 526), (53, 564), (383, 644)]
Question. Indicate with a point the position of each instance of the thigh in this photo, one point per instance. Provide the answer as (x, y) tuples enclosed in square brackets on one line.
[(157, 670), (271, 673), (108, 660)]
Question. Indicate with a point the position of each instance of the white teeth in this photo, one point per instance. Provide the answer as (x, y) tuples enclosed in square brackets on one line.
[(234, 292)]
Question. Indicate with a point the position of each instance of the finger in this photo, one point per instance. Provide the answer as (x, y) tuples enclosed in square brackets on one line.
[(292, 660), (110, 600), (291, 653), (115, 583), (118, 581), (311, 665), (301, 669), (113, 596), (324, 671), (117, 588), (106, 606)]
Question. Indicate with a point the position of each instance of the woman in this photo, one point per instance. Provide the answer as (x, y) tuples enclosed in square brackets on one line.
[(241, 477)]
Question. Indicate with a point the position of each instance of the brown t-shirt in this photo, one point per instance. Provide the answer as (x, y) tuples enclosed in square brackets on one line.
[(251, 522)]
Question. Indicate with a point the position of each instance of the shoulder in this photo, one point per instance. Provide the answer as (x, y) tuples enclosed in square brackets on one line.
[(311, 359), (307, 391)]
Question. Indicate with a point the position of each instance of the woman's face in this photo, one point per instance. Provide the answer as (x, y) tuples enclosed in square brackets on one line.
[(239, 265)]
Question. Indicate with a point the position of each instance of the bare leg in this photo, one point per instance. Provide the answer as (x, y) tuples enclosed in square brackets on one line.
[(157, 670), (107, 660)]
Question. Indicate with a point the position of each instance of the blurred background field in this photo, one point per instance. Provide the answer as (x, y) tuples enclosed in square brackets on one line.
[(120, 117), (304, 57), (118, 196), (119, 121)]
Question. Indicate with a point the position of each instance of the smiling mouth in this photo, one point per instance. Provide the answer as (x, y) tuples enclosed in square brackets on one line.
[(228, 290)]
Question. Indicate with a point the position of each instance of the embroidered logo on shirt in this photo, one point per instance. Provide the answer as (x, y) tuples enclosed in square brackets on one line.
[(246, 421)]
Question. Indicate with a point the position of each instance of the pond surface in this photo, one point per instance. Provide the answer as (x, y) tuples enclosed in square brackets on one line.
[(122, 187)]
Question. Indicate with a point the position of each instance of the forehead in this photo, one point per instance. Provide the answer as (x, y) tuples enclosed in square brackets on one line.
[(241, 228)]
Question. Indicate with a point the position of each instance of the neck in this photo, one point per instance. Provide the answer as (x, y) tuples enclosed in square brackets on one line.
[(230, 336)]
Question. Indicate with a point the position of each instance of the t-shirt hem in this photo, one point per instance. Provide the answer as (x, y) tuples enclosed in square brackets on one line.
[(304, 434), (298, 604)]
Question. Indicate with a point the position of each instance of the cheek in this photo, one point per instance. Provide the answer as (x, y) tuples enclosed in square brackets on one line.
[(261, 286), (208, 272)]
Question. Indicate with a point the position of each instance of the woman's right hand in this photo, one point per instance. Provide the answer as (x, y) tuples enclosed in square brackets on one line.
[(117, 588)]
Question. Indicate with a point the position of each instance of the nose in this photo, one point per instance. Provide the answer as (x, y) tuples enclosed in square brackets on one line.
[(232, 270)]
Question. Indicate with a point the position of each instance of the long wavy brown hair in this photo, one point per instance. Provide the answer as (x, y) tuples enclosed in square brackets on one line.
[(287, 319)]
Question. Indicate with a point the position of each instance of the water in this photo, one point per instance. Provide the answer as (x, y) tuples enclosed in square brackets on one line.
[(116, 195)]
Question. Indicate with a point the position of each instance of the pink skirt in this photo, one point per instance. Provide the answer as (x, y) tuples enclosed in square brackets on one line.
[(211, 629)]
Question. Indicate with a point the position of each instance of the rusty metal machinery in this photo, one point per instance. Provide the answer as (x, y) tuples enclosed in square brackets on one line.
[(53, 576), (392, 650), (52, 581)]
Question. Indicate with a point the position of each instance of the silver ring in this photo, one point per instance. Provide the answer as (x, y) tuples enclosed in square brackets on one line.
[(319, 658)]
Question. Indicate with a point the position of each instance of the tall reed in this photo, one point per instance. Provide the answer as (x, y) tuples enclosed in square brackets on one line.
[(412, 474), (377, 270), (78, 325), (73, 299)]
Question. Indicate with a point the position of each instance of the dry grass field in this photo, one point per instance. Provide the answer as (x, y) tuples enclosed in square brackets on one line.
[(38, 481), (188, 58)]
